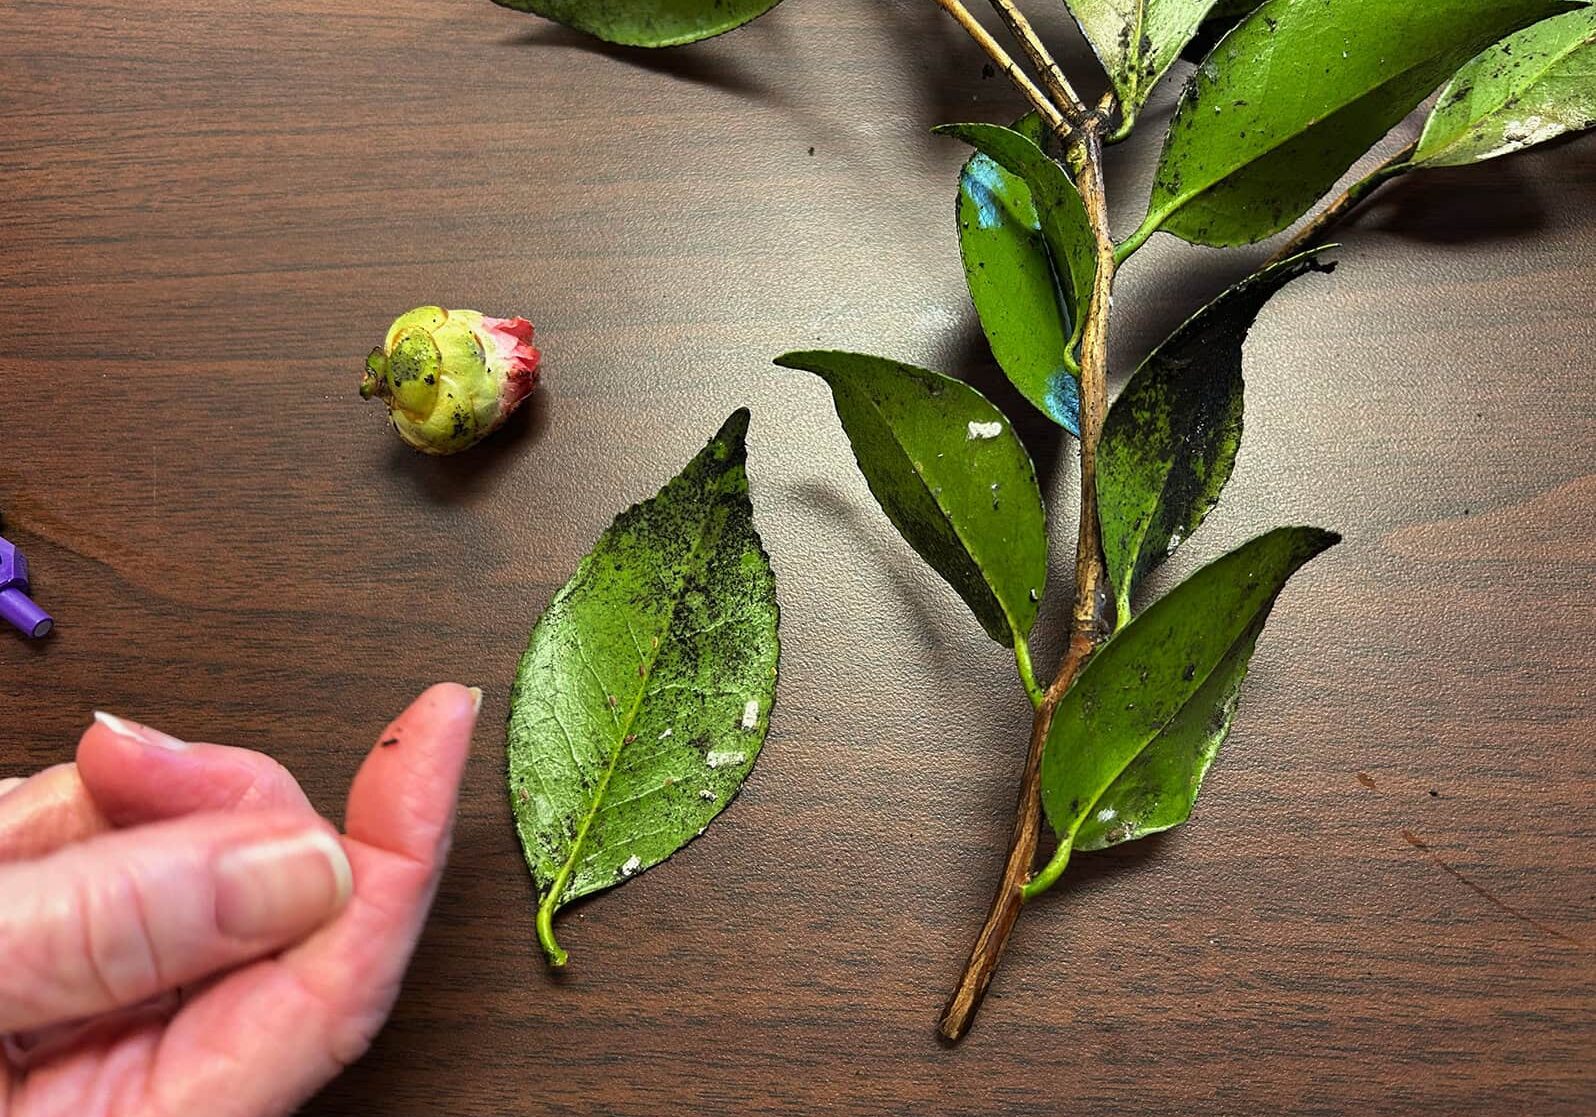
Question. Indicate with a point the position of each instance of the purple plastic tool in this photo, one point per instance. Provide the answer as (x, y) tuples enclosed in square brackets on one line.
[(16, 607)]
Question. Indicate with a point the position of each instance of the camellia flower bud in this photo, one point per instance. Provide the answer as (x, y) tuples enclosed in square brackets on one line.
[(450, 378)]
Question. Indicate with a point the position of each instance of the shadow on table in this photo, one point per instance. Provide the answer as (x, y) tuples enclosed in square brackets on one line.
[(1457, 205), (692, 62), (461, 478)]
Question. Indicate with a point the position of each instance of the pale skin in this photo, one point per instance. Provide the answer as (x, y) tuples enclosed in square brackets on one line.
[(182, 933)]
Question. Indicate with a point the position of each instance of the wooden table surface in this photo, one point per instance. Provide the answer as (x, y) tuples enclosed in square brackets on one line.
[(213, 209)]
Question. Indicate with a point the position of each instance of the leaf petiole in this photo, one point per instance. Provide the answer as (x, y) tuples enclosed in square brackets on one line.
[(545, 922), (1022, 660), (1049, 875), (1126, 248), (1127, 125)]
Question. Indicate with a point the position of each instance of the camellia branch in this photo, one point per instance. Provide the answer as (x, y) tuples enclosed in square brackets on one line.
[(1005, 62), (1314, 232), (1069, 102), (1088, 625)]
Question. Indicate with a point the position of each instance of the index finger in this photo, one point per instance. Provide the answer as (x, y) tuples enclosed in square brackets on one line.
[(41, 814), (308, 1013)]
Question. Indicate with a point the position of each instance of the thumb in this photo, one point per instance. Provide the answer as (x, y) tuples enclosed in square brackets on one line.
[(117, 919)]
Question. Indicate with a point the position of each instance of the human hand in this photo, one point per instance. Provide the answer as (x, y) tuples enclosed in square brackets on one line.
[(180, 932)]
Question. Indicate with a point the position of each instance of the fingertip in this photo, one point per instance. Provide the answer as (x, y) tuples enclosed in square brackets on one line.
[(136, 774), (454, 697), (403, 797)]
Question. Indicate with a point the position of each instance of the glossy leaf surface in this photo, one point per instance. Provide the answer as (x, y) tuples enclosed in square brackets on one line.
[(1059, 208), (1531, 87), (1157, 790), (951, 475), (1024, 311), (1220, 19), (1170, 441), (1137, 40), (645, 691), (1291, 98), (647, 23), (1161, 689)]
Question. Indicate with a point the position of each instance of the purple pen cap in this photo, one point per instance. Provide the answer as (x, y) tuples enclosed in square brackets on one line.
[(16, 607)]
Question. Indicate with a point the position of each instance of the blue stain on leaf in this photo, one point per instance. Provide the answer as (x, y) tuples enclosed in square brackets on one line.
[(983, 183), (1016, 286), (1064, 401)]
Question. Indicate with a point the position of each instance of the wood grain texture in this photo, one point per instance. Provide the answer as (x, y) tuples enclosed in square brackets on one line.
[(214, 209)]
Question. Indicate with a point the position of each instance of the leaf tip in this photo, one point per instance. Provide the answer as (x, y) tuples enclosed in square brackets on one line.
[(735, 428), (1315, 541), (806, 360)]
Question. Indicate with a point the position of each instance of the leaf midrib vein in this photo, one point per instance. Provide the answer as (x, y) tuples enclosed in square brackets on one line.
[(562, 878)]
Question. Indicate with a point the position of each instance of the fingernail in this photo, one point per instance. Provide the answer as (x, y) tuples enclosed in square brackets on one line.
[(140, 733), (281, 888), (11, 783), (476, 699)]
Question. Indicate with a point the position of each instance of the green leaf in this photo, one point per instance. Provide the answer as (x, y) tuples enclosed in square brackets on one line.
[(1296, 94), (951, 475), (1136, 41), (1024, 311), (1170, 440), (1531, 87), (1065, 227), (1156, 790), (1161, 689), (1216, 24), (647, 23), (645, 691)]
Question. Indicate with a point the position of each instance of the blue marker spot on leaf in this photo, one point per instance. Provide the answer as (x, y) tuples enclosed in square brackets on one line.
[(982, 182), (1064, 401)]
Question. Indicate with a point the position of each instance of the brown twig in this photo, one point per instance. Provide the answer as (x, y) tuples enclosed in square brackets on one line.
[(1069, 102), (1088, 625), (1006, 901), (1005, 62), (1313, 233)]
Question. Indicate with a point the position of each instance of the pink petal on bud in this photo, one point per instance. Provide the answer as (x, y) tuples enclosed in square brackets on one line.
[(507, 343)]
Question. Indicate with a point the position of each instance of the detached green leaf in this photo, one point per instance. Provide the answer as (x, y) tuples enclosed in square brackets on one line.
[(1024, 311), (647, 23), (1136, 732), (1137, 40), (645, 691), (1529, 88), (1293, 96), (1170, 441), (1060, 210), (951, 475)]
